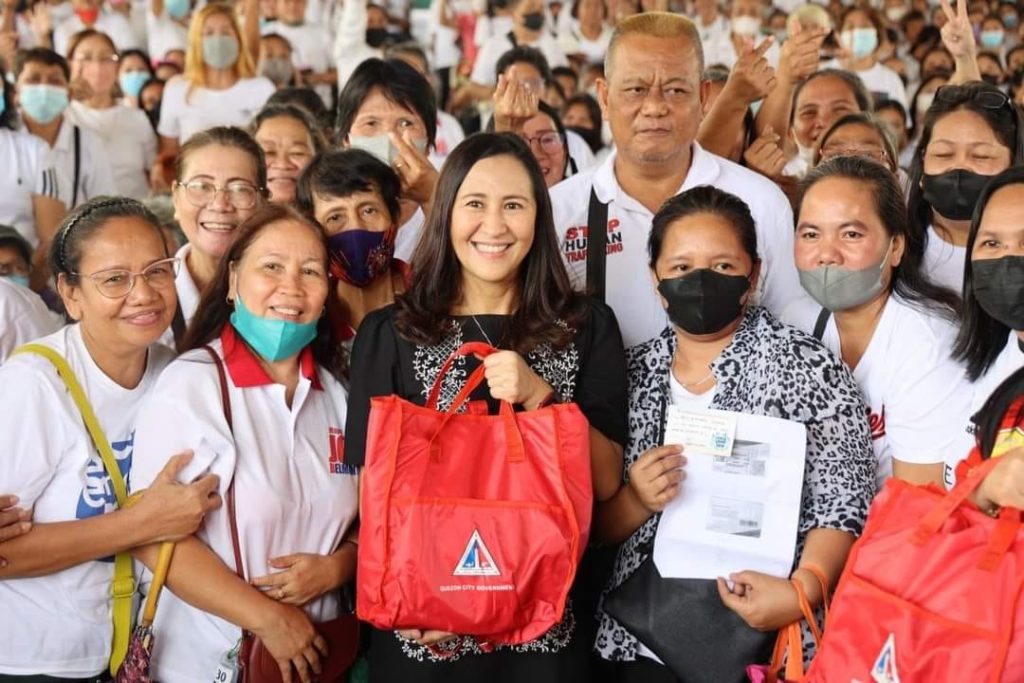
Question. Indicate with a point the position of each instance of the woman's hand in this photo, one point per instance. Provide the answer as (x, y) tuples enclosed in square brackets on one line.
[(765, 154), (414, 169), (510, 379), (426, 637), (293, 642), (306, 577), (1004, 485), (656, 476), (957, 34), (514, 105), (766, 603), (173, 510), (14, 521)]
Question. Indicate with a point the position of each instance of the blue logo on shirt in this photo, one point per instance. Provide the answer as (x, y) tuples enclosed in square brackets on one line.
[(98, 494)]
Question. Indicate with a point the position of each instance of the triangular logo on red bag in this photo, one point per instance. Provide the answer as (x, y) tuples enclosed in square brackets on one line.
[(476, 559), (884, 670)]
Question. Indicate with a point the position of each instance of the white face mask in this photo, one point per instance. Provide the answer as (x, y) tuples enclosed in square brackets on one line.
[(59, 13), (746, 26)]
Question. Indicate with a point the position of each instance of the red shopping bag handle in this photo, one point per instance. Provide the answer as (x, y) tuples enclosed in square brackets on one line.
[(513, 438)]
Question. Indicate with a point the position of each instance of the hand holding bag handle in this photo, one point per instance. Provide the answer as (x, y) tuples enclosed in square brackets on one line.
[(789, 645), (1005, 532), (513, 438)]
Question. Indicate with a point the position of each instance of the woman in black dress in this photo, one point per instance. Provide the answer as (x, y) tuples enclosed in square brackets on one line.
[(487, 269)]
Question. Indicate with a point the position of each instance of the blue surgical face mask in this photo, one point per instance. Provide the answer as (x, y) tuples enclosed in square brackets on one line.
[(21, 280), (220, 52), (177, 9), (43, 103), (271, 338), (860, 41), (992, 38), (131, 82)]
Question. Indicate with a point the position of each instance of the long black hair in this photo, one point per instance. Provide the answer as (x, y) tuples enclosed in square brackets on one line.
[(1005, 122), (982, 337), (908, 281), (545, 294)]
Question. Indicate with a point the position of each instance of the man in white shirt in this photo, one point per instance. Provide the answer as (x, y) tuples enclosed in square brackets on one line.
[(311, 46), (92, 14), (652, 96), (83, 168)]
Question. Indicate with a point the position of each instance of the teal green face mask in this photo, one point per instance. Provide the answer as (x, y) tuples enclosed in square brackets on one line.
[(273, 339), (21, 280)]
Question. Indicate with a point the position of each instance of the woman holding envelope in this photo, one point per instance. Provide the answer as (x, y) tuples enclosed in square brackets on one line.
[(723, 352)]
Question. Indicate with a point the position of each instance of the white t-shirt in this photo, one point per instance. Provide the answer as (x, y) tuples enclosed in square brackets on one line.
[(449, 135), (164, 34), (629, 290), (293, 491), (685, 399), (492, 50), (129, 144), (188, 294), (1009, 360), (27, 169), (917, 396), (882, 82), (489, 27), (182, 117), (409, 236), (112, 23), (944, 262), (95, 176), (715, 31), (23, 317), (573, 42), (719, 49), (60, 624), (311, 49), (350, 47)]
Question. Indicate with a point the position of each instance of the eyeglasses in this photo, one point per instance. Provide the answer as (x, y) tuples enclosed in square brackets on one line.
[(985, 97), (550, 142), (201, 193), (116, 283)]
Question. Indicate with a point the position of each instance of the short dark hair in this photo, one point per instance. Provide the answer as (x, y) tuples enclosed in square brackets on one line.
[(398, 82), (78, 226), (852, 80), (290, 111), (909, 281), (895, 105), (214, 311), (1006, 125), (228, 136), (566, 71), (308, 100), (545, 294), (40, 55), (341, 173), (10, 237), (409, 47), (863, 119), (703, 199), (587, 101), (524, 54), (982, 337), (141, 54)]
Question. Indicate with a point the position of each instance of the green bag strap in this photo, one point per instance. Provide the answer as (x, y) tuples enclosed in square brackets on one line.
[(123, 587)]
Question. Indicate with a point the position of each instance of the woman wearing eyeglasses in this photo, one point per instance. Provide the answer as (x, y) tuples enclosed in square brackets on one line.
[(128, 140), (971, 133), (117, 282), (220, 180), (517, 109)]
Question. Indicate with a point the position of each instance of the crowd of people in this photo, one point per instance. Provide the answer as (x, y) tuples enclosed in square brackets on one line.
[(238, 223)]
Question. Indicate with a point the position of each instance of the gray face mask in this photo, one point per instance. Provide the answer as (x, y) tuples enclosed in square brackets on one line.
[(838, 289), (220, 52), (278, 69)]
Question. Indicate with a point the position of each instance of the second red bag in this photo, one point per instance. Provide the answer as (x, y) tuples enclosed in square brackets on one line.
[(472, 524)]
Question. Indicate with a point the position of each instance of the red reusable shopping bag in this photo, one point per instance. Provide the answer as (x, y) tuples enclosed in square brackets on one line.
[(930, 592), (472, 524)]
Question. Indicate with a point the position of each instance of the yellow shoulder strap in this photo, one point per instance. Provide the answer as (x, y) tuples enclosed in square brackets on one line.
[(123, 587)]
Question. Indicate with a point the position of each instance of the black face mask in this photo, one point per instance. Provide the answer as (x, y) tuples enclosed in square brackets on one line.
[(375, 37), (534, 21), (953, 194), (991, 79), (999, 288), (704, 301)]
